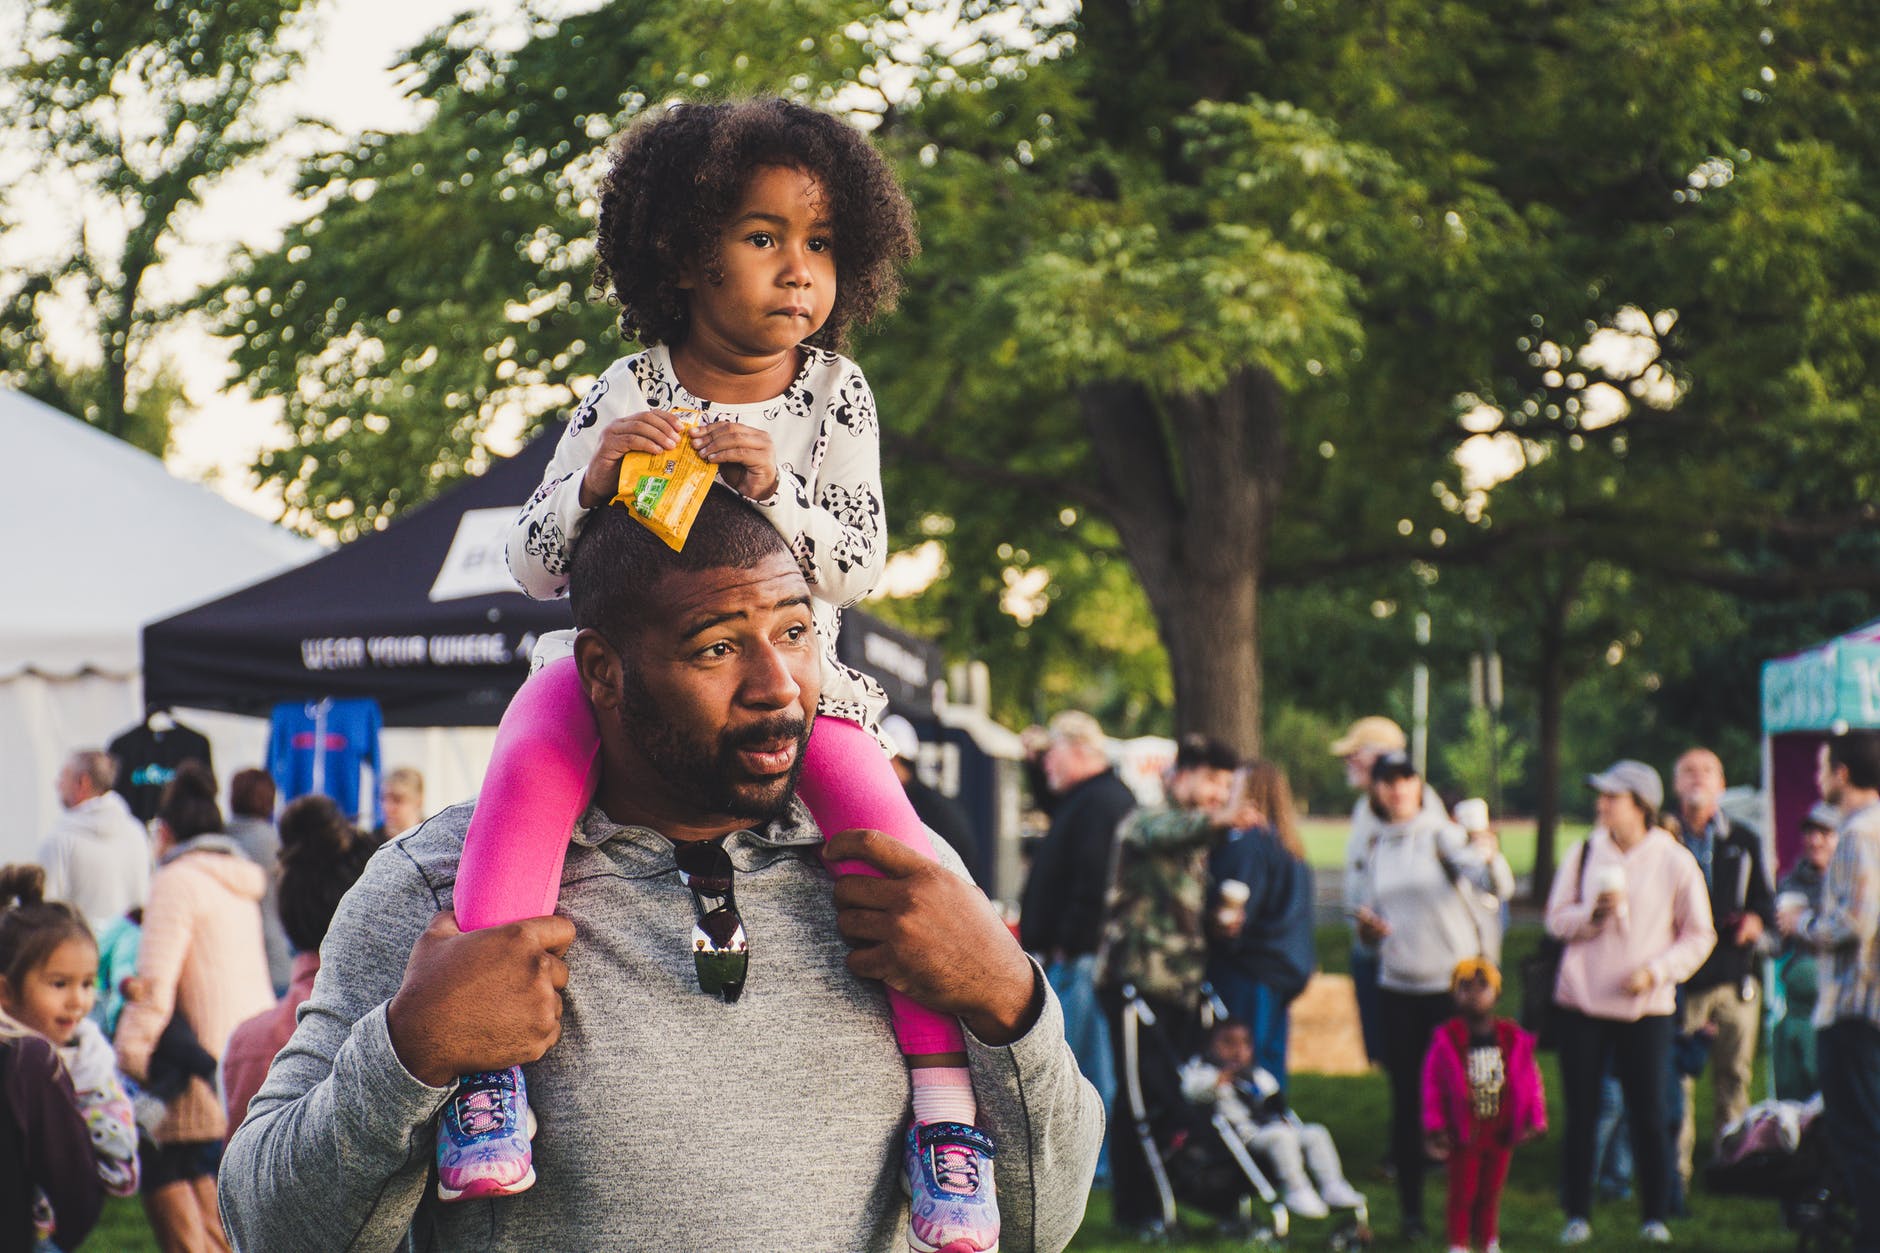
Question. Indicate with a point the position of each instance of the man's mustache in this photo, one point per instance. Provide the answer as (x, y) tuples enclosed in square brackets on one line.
[(767, 732)]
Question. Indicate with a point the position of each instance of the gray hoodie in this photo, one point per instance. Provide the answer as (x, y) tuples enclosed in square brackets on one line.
[(668, 1119)]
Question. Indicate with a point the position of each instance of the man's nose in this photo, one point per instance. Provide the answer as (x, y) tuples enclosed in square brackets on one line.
[(770, 683)]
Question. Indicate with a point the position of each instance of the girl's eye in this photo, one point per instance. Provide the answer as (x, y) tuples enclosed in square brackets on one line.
[(759, 239), (822, 244)]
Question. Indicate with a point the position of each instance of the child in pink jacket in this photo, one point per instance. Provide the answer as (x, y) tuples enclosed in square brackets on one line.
[(1482, 1095)]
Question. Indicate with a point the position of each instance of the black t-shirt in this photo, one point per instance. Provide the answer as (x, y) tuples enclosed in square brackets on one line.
[(148, 759)]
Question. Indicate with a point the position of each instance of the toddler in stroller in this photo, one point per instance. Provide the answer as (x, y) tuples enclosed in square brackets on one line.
[(1299, 1155), (1212, 1129)]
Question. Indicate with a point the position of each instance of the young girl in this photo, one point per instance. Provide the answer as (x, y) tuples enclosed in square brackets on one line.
[(1482, 1096), (742, 240), (48, 977)]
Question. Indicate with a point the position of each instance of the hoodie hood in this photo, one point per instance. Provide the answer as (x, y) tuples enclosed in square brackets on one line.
[(220, 859)]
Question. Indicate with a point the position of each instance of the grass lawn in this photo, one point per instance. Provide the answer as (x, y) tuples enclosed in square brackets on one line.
[(1356, 1109), (1325, 841)]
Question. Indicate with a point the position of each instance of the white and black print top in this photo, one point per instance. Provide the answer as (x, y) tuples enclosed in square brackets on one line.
[(1488, 1076), (827, 504)]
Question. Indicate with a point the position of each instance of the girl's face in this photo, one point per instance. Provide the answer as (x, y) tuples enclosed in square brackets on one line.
[(775, 280), (54, 997)]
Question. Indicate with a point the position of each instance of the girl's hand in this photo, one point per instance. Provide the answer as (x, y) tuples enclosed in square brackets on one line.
[(651, 431), (1436, 1144), (744, 455), (1641, 981)]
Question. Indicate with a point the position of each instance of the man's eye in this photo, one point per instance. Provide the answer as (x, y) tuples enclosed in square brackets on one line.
[(720, 649)]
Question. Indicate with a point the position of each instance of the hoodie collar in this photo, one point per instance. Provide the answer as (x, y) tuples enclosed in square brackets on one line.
[(750, 848)]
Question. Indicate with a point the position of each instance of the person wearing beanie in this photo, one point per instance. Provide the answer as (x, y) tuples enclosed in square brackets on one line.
[(1482, 1096)]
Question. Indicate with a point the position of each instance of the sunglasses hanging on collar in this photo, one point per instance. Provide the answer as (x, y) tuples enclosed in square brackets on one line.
[(720, 950)]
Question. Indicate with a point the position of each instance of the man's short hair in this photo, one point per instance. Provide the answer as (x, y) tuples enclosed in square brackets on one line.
[(1859, 752), (96, 765), (1074, 726), (406, 779), (619, 565), (1202, 752)]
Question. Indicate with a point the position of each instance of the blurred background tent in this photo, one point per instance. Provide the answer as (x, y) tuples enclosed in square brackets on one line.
[(100, 539)]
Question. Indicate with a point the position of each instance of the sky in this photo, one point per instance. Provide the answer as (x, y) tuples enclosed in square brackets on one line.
[(346, 82)]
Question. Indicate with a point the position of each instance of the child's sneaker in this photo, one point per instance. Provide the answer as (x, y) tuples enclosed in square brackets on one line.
[(483, 1137), (1303, 1201), (952, 1208)]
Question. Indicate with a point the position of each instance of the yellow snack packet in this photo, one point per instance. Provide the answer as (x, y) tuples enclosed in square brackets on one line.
[(664, 490)]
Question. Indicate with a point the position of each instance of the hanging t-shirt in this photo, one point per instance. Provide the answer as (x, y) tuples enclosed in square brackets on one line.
[(147, 759), (321, 747)]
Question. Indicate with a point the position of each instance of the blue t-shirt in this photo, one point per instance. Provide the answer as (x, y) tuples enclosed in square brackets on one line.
[(321, 747)]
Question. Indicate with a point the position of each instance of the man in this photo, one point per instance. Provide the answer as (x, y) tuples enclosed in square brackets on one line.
[(1362, 744), (251, 824), (1061, 913), (669, 1116), (97, 855), (941, 814), (1154, 943), (1846, 931), (1722, 1002)]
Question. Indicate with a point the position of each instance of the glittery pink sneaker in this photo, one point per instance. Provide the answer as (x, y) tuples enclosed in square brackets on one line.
[(483, 1137), (952, 1208)]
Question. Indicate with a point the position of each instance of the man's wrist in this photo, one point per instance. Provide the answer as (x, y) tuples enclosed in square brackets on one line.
[(411, 1054), (1012, 1010)]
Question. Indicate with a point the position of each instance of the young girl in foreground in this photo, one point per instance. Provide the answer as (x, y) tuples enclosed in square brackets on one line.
[(742, 242), (48, 980)]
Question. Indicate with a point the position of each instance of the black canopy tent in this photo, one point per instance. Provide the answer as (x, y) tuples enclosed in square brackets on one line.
[(423, 618)]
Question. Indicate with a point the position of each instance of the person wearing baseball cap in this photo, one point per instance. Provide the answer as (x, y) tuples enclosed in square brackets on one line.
[(1793, 1060), (1631, 908), (1359, 747)]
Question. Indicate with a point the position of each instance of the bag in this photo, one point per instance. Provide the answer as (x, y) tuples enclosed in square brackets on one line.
[(1540, 971)]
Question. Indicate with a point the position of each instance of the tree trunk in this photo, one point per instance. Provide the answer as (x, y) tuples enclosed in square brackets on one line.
[(1551, 684), (1193, 482)]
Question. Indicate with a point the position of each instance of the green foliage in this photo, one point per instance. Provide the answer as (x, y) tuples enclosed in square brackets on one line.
[(1487, 758), (145, 108)]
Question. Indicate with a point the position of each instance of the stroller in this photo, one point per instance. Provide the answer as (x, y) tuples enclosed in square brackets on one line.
[(1194, 1155), (1777, 1150)]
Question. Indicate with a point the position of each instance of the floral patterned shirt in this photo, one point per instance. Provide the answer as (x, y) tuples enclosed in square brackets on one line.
[(827, 503)]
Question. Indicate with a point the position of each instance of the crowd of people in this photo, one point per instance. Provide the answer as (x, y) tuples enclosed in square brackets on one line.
[(700, 855)]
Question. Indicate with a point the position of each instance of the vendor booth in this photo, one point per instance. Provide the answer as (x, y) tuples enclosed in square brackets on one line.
[(1806, 697)]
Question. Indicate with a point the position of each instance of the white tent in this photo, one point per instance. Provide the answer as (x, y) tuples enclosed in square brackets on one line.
[(101, 538)]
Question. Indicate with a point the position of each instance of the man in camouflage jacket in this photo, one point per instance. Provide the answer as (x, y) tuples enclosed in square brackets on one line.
[(1155, 945)]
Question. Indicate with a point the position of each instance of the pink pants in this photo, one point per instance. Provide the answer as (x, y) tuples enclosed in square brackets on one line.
[(542, 774), (1476, 1174)]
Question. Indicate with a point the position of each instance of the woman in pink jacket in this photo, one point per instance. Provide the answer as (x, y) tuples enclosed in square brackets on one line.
[(203, 957), (1631, 908), (1482, 1096)]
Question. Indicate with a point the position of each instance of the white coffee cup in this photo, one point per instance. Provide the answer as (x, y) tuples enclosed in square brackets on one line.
[(1608, 879), (1235, 894), (1791, 901)]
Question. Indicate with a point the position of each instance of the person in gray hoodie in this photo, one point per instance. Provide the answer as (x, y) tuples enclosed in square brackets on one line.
[(666, 1115), (1412, 907)]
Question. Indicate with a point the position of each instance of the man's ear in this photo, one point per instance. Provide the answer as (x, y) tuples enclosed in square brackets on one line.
[(599, 666)]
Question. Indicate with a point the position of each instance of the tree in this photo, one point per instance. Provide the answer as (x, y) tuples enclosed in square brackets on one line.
[(145, 109)]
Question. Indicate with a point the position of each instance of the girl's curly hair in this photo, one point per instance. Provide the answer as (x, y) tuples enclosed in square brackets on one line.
[(678, 174)]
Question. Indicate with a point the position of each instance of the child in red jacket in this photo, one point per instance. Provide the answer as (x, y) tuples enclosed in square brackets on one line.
[(1481, 1096)]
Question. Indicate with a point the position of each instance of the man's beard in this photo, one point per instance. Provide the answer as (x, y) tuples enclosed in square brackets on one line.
[(707, 772)]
